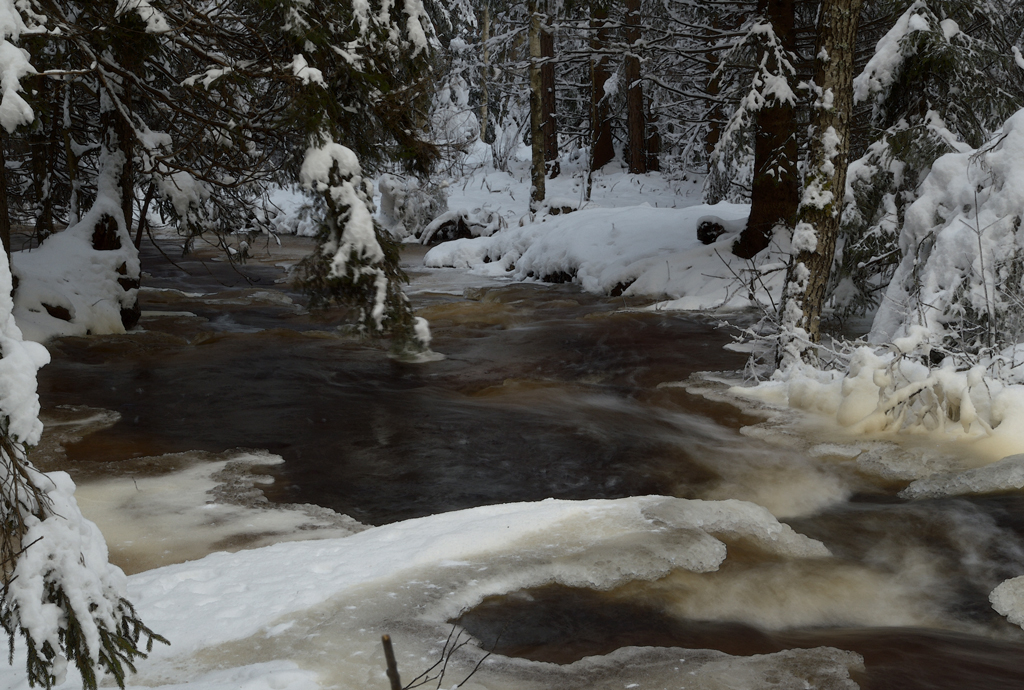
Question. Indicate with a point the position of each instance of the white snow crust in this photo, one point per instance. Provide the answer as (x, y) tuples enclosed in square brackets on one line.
[(1004, 475), (307, 615)]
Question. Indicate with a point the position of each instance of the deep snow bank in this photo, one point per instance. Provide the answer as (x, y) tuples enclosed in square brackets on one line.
[(633, 250)]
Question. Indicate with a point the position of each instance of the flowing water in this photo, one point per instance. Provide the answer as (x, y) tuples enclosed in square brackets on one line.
[(173, 434)]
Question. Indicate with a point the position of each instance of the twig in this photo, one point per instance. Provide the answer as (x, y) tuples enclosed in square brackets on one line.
[(389, 657)]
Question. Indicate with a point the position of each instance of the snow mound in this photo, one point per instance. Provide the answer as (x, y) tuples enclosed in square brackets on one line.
[(636, 250), (1005, 475), (65, 287)]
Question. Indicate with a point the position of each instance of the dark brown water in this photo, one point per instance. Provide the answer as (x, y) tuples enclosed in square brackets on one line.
[(561, 625), (548, 392), (543, 393)]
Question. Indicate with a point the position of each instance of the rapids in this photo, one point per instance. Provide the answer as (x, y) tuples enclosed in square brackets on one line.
[(233, 419)]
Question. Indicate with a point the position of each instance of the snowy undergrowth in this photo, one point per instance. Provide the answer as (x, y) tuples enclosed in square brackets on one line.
[(947, 341)]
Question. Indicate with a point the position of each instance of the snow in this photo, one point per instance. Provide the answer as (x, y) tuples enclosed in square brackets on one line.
[(308, 75), (14, 64), (558, 541), (970, 204), (880, 73), (638, 234), (66, 551), (357, 237), (182, 190), (653, 251), (154, 19), (272, 617), (805, 238), (1004, 475), (316, 166), (66, 272), (19, 362), (417, 19), (291, 212)]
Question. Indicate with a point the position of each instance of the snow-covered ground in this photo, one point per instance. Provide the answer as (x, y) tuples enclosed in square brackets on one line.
[(636, 235)]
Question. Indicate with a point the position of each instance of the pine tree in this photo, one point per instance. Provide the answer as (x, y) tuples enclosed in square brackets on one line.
[(941, 80)]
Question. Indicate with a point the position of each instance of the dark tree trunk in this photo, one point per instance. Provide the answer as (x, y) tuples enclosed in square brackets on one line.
[(715, 115), (602, 150), (485, 69), (5, 212), (635, 121), (126, 141), (537, 169), (547, 81), (116, 157), (653, 145), (829, 157), (775, 190)]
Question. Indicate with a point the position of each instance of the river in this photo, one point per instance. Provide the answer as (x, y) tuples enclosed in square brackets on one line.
[(543, 392)]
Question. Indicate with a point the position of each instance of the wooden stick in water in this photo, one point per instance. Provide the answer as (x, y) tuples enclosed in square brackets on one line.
[(389, 657)]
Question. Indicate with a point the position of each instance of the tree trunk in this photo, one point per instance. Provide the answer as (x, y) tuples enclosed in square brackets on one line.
[(775, 191), (74, 179), (547, 78), (715, 115), (126, 141), (42, 162), (485, 69), (602, 150), (5, 212), (653, 145), (820, 211), (537, 171), (116, 177), (635, 123)]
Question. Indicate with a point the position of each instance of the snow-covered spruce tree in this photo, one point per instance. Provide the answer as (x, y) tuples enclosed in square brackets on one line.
[(941, 80), (959, 285), (58, 593), (375, 61), (817, 226), (354, 264)]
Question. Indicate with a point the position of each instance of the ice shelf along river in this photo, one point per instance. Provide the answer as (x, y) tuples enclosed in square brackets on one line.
[(690, 542)]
